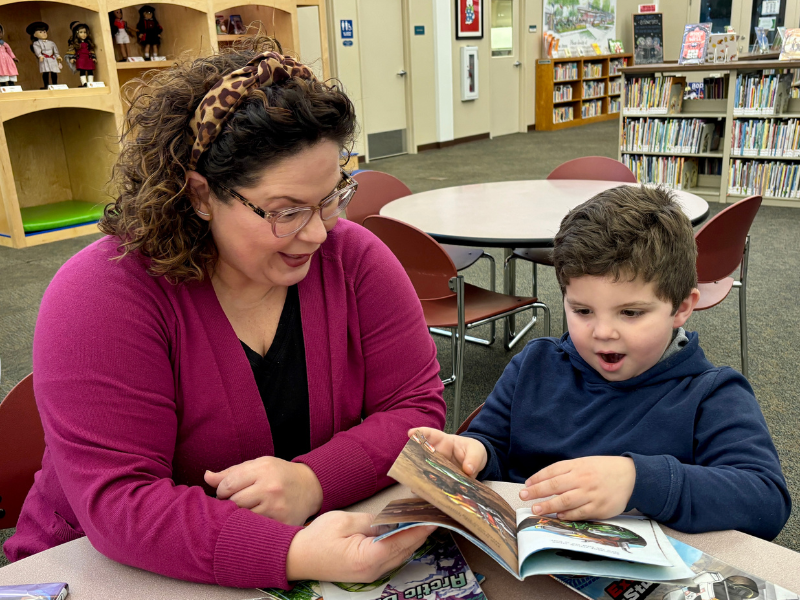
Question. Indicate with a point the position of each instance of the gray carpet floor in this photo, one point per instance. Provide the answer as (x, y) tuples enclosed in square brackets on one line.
[(773, 312)]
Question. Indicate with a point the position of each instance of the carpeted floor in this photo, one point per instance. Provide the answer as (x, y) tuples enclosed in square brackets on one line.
[(773, 312)]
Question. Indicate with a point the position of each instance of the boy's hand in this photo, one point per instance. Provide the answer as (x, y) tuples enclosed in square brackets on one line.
[(594, 487), (467, 452)]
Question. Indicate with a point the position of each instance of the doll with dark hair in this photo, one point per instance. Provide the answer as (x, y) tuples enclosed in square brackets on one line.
[(120, 31), (8, 70), (149, 31), (81, 56), (46, 51)]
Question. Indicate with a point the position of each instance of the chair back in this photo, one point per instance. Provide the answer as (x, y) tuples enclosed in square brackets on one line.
[(21, 449), (465, 425), (427, 264), (375, 190), (720, 242), (597, 168)]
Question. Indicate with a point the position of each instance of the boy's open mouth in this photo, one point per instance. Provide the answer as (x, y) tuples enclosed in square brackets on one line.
[(611, 357)]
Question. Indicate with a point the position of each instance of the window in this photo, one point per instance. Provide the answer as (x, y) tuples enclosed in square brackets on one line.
[(502, 30)]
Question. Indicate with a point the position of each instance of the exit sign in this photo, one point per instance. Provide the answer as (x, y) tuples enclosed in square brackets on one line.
[(648, 8)]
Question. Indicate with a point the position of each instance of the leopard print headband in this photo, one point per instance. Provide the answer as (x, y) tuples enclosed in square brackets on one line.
[(224, 98)]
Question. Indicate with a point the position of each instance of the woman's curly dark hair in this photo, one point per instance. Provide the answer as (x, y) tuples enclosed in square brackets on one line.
[(153, 214)]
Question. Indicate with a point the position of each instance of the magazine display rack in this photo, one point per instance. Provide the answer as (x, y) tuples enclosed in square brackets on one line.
[(57, 147), (579, 90), (756, 124)]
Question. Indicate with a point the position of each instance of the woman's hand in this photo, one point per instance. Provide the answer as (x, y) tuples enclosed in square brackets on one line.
[(338, 546), (285, 491), (464, 451)]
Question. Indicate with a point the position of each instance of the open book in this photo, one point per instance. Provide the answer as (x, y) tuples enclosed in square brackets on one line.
[(523, 543)]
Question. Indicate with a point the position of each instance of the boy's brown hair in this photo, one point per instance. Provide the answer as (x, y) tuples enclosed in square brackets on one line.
[(629, 232)]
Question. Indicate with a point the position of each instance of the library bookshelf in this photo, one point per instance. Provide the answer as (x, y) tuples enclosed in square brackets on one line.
[(767, 162), (58, 146), (590, 85)]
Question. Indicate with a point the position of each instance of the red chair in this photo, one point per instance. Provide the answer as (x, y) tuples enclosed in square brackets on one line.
[(465, 425), (597, 168), (21, 449), (446, 300), (376, 190), (723, 246)]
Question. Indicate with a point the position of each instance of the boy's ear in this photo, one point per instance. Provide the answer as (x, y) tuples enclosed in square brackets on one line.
[(199, 194), (685, 309)]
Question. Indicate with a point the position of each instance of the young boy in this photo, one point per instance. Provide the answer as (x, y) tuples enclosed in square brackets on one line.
[(625, 412)]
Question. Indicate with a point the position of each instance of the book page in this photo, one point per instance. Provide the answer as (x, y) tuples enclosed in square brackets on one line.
[(473, 505), (623, 545)]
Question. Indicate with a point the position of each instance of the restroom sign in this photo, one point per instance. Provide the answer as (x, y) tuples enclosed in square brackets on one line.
[(346, 27)]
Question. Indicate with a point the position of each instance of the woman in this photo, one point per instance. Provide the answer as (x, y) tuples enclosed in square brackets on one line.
[(229, 338)]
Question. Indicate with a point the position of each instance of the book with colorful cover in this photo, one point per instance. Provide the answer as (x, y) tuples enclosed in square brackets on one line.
[(791, 45), (436, 571), (523, 543), (712, 579), (722, 48), (34, 591), (695, 44)]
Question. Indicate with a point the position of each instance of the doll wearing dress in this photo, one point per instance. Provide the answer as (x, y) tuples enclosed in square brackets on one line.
[(121, 32), (8, 70), (81, 52)]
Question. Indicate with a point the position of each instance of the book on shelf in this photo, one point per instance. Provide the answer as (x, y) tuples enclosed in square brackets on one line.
[(654, 95), (591, 70), (767, 178), (523, 543), (615, 47), (695, 44), (712, 578), (722, 48), (616, 65), (761, 94), (592, 108), (565, 71), (592, 89), (435, 571), (659, 170), (790, 50), (695, 90), (614, 105), (681, 136), (596, 48), (562, 114), (766, 137), (562, 93)]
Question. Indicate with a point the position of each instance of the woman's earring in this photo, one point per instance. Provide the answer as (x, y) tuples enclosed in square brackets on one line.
[(200, 212)]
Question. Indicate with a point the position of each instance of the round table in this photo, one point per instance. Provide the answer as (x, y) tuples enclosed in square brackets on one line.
[(508, 214)]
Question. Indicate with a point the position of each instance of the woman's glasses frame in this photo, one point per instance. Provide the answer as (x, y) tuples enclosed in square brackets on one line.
[(347, 185)]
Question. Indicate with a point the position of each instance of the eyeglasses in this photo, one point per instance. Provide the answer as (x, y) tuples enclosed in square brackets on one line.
[(291, 220)]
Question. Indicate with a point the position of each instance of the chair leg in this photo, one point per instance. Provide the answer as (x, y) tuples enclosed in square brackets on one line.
[(453, 357), (457, 285), (493, 284), (521, 334), (743, 307)]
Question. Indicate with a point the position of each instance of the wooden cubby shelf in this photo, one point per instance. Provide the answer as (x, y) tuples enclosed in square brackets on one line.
[(546, 104), (714, 186), (58, 146)]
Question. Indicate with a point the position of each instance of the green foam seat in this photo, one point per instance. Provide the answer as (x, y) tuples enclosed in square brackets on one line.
[(60, 214)]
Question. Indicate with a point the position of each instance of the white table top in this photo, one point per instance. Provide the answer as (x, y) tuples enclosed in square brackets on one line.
[(508, 214), (92, 576)]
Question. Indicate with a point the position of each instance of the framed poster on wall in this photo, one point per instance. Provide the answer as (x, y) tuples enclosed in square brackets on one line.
[(469, 19)]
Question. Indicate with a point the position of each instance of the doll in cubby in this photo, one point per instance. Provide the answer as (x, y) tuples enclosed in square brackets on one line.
[(8, 70), (149, 31), (121, 32), (46, 51), (81, 54)]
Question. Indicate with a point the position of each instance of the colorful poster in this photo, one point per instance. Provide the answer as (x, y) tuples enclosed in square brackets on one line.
[(577, 24), (469, 19)]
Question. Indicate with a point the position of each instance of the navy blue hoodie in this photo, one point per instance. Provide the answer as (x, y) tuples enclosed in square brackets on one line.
[(704, 457)]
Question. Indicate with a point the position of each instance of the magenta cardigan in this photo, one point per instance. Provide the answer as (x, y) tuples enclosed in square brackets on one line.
[(143, 385)]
